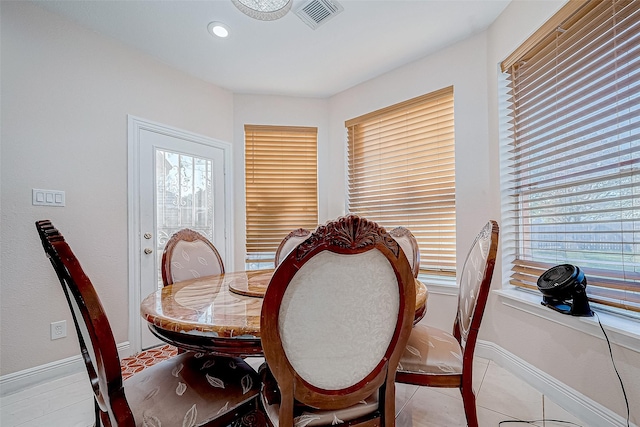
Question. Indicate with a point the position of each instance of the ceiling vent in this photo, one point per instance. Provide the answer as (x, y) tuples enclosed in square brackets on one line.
[(316, 12)]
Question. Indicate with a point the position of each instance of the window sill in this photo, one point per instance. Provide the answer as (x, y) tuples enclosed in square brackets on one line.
[(439, 285), (623, 331)]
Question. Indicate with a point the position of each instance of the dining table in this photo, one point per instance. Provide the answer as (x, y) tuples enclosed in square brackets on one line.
[(220, 314)]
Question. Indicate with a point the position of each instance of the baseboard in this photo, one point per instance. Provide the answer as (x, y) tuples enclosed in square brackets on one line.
[(18, 381), (569, 399)]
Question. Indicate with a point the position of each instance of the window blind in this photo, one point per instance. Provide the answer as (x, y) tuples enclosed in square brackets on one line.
[(401, 172), (575, 150), (280, 186)]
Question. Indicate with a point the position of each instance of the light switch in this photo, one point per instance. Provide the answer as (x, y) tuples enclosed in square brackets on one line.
[(47, 197)]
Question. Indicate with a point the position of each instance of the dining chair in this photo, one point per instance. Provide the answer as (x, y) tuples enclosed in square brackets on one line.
[(190, 389), (290, 241), (409, 245), (436, 358), (189, 255), (335, 319)]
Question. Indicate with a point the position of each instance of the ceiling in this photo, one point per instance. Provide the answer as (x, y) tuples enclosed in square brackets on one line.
[(285, 56)]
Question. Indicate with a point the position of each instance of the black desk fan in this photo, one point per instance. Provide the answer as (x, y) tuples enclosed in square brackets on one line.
[(564, 289)]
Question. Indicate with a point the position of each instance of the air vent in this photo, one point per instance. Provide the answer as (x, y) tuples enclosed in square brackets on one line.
[(316, 12)]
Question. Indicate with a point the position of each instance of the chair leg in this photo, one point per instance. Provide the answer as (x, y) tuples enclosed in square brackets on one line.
[(102, 418), (387, 395), (469, 402), (98, 423)]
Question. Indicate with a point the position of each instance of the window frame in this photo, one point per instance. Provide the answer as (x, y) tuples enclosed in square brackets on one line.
[(569, 15)]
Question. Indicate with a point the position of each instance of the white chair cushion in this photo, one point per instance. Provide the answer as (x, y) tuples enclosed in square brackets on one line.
[(338, 316), (190, 389), (431, 351), (314, 417), (191, 260)]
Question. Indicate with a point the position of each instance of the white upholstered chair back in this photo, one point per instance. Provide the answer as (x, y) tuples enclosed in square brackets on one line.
[(289, 243), (474, 273), (409, 245), (189, 255), (338, 317)]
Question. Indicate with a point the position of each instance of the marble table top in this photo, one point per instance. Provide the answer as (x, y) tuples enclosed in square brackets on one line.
[(219, 306)]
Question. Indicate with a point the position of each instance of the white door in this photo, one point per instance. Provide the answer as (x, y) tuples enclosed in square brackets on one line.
[(181, 183)]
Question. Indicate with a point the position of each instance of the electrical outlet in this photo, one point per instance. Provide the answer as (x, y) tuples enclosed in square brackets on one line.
[(58, 329)]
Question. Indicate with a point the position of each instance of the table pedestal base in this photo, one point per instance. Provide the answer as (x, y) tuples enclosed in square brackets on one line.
[(234, 347)]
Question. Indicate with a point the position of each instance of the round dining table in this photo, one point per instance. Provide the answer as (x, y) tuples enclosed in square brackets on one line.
[(220, 314)]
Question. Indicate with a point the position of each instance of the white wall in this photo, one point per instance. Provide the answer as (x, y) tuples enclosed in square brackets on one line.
[(66, 93), (65, 96), (278, 111)]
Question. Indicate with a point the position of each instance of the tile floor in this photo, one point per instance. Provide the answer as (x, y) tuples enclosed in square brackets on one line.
[(67, 402)]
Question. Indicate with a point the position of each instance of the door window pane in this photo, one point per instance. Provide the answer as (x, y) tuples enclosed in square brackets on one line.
[(184, 196)]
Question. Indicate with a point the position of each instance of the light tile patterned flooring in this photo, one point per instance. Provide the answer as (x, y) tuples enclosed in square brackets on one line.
[(67, 402)]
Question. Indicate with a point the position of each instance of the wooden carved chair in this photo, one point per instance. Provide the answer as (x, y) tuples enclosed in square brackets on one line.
[(335, 320), (409, 245), (189, 255), (289, 243), (188, 389), (436, 358)]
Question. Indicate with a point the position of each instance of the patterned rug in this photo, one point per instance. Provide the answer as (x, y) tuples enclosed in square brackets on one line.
[(136, 363)]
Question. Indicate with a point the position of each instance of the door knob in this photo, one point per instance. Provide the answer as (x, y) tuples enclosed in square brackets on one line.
[(148, 250), (147, 236)]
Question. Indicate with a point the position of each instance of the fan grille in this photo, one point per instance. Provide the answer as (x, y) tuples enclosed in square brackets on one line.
[(316, 12), (556, 276)]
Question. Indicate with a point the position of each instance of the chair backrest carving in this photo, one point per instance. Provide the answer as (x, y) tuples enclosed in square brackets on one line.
[(474, 285), (97, 344), (290, 241), (189, 255), (409, 245), (337, 314)]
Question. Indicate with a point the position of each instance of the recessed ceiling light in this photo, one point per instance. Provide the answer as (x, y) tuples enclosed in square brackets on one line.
[(218, 29)]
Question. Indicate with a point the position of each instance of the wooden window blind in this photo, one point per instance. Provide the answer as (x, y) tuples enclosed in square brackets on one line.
[(575, 150), (280, 186), (401, 172)]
